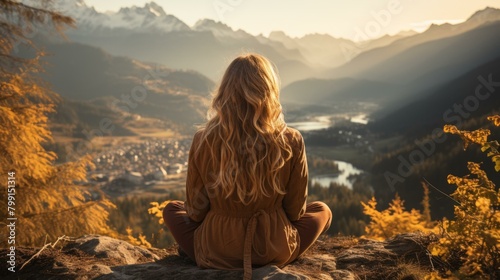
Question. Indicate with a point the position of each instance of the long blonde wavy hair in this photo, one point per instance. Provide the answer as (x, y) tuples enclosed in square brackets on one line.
[(245, 130)]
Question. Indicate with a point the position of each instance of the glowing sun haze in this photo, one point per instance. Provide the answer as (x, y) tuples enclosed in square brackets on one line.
[(299, 17)]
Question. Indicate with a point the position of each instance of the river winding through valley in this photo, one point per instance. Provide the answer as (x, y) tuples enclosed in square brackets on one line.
[(346, 169)]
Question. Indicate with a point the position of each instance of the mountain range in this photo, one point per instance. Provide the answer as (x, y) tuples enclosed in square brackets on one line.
[(116, 50), (150, 18), (148, 33), (95, 85), (410, 67)]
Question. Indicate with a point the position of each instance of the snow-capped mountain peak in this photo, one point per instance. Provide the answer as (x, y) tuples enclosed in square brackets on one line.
[(149, 9), (155, 9), (219, 29), (209, 24), (150, 18)]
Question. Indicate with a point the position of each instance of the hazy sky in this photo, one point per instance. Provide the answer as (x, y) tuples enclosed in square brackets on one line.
[(340, 18)]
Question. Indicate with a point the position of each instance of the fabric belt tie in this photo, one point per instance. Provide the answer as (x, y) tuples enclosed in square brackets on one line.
[(247, 249)]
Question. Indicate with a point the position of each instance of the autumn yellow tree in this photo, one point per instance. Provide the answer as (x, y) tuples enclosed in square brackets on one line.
[(42, 195), (473, 236), (395, 219)]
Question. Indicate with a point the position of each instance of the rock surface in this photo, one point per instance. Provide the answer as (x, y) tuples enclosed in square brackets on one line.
[(102, 257)]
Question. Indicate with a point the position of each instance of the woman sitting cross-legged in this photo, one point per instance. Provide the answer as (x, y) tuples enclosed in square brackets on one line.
[(247, 178)]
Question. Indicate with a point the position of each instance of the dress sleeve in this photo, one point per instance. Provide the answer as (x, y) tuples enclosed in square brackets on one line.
[(294, 202), (197, 201)]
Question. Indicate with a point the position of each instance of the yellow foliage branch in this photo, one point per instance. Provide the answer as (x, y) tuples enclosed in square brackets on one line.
[(474, 234)]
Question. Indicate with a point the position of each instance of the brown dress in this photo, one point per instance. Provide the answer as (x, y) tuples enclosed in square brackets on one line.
[(232, 235)]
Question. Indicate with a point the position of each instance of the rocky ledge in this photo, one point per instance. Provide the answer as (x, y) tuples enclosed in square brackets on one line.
[(101, 257)]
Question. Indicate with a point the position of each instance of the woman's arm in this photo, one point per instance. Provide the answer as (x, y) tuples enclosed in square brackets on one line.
[(294, 202), (197, 202)]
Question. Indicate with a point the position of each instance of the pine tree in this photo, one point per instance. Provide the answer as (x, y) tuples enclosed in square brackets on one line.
[(426, 205), (44, 198)]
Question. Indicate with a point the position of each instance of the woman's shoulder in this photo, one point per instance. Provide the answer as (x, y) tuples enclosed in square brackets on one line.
[(196, 141), (294, 137)]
